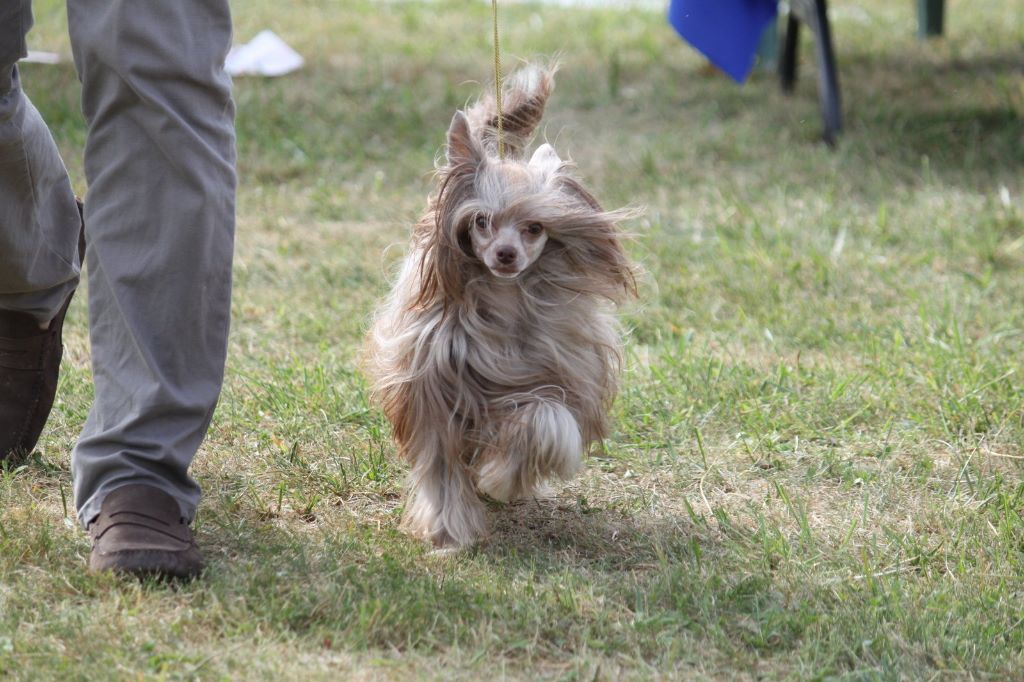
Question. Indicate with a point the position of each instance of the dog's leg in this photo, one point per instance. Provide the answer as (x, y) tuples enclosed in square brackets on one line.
[(443, 506), (557, 442), (541, 440)]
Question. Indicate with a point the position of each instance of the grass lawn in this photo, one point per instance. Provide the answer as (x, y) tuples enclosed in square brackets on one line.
[(816, 471)]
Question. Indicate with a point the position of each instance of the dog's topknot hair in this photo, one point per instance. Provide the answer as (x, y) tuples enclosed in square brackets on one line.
[(524, 96)]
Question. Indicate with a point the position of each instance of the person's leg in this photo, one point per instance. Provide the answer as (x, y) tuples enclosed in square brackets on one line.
[(39, 249), (160, 161), (39, 221)]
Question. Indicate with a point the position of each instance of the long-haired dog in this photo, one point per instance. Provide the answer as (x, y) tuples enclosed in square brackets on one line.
[(496, 355)]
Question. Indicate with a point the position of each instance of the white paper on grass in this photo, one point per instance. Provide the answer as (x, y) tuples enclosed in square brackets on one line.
[(264, 55), (37, 57)]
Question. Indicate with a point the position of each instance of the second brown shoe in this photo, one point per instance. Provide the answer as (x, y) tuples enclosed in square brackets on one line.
[(29, 367)]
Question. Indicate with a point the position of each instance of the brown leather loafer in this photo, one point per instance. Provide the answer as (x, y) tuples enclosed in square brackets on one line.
[(29, 366), (140, 531)]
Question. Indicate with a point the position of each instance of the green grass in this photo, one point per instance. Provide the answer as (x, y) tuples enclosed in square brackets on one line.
[(816, 471)]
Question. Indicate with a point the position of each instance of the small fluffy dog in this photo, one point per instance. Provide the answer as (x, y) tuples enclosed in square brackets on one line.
[(496, 355)]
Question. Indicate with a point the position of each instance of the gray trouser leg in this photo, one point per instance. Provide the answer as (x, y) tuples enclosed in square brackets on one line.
[(39, 220), (160, 216)]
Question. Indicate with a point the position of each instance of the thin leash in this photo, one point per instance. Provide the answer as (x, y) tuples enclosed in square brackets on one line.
[(497, 82)]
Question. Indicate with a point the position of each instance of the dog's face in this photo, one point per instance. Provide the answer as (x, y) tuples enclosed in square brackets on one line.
[(513, 217), (508, 212), (508, 235), (507, 247)]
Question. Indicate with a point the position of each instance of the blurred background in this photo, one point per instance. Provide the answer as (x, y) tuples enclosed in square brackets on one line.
[(816, 469)]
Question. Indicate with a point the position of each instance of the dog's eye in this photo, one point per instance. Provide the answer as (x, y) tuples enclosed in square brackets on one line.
[(481, 222), (534, 229)]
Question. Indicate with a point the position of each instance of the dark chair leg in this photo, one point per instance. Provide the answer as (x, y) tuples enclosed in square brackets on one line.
[(930, 14), (828, 79), (787, 60)]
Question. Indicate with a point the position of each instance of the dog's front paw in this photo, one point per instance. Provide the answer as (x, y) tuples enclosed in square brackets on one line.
[(556, 442), (499, 479)]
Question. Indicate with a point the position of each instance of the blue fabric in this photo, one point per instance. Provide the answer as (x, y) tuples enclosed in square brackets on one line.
[(727, 32)]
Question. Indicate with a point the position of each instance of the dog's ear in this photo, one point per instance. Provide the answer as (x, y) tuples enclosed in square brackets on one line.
[(526, 93), (545, 160), (574, 188), (552, 168), (462, 148)]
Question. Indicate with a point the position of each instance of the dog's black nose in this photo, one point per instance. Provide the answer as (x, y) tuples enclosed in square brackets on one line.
[(506, 255)]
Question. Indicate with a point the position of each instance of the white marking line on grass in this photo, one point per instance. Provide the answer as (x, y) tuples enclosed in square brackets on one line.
[(646, 5)]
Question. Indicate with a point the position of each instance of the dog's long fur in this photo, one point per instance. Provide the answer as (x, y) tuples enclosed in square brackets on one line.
[(494, 384)]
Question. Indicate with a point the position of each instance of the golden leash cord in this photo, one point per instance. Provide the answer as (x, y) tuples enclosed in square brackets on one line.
[(497, 82)]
